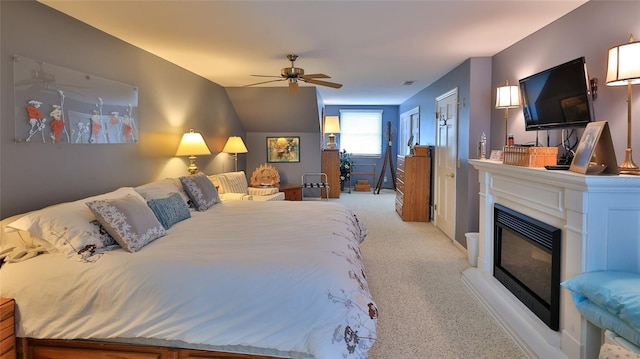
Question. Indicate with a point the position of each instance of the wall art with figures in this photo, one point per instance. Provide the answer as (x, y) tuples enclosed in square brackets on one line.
[(54, 104)]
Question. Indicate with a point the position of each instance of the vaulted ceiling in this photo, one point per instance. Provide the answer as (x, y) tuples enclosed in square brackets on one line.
[(371, 47)]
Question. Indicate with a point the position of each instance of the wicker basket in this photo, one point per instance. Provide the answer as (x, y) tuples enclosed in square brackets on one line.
[(530, 156)]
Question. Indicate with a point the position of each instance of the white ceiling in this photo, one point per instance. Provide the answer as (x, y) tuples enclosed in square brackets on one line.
[(371, 47)]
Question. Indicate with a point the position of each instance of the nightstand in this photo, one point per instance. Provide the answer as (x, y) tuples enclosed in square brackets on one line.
[(292, 192), (7, 329)]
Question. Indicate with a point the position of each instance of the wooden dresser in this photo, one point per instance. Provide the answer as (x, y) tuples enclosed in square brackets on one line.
[(331, 167), (413, 188), (7, 329)]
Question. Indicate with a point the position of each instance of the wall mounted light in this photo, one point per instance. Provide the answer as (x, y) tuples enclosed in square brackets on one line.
[(192, 144), (507, 97), (624, 69), (331, 126), (235, 145)]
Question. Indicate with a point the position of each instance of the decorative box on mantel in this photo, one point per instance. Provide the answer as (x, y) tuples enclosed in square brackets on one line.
[(598, 217), (530, 156)]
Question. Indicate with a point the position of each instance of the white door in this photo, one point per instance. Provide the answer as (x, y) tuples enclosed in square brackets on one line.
[(446, 162)]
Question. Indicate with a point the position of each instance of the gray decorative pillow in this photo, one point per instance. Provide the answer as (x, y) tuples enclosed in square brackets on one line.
[(200, 190), (170, 210), (128, 220)]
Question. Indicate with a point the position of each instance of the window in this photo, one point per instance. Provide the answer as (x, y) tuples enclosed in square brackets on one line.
[(361, 132)]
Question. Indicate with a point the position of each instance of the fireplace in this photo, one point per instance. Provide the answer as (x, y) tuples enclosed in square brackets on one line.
[(526, 260)]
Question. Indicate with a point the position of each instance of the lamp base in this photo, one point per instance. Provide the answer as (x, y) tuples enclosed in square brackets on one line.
[(193, 169), (627, 166), (332, 142)]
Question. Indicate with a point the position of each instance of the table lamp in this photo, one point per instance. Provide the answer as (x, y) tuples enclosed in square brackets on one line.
[(331, 126), (192, 144)]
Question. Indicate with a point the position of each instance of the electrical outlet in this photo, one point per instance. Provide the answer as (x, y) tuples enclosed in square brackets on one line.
[(384, 179)]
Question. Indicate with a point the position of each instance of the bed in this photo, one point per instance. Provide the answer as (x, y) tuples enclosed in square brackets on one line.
[(240, 279)]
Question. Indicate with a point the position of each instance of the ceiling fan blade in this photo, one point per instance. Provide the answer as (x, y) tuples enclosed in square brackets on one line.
[(323, 83), (263, 82), (315, 76), (265, 76)]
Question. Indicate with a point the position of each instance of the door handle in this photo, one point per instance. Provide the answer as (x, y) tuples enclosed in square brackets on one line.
[(451, 175)]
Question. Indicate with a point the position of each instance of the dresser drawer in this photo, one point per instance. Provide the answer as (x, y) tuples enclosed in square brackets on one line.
[(7, 329)]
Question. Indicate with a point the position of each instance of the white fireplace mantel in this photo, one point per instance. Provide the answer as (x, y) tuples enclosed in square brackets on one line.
[(600, 221)]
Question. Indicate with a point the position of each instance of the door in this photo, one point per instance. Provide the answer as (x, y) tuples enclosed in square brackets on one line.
[(445, 162)]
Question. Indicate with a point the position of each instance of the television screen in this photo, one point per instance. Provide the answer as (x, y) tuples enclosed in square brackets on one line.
[(559, 97)]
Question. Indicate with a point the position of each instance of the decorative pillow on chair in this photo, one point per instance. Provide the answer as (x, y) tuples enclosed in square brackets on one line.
[(129, 221), (200, 190), (170, 210), (233, 182), (70, 227)]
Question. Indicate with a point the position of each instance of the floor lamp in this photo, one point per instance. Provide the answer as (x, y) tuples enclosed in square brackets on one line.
[(507, 97), (235, 145), (624, 69)]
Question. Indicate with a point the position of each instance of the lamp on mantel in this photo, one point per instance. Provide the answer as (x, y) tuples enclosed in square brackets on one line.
[(331, 126), (192, 144), (507, 97), (235, 145), (624, 69)]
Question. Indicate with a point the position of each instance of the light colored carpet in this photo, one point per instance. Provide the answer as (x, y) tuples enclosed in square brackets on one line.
[(414, 275)]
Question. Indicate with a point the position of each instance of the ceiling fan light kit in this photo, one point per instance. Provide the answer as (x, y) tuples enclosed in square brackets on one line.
[(294, 74)]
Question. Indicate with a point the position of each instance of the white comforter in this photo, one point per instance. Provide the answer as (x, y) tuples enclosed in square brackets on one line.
[(285, 277)]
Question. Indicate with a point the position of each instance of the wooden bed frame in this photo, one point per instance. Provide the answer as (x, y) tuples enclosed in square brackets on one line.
[(28, 348)]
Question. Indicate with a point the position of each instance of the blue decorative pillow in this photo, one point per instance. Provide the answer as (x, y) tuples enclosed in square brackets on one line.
[(615, 291), (170, 210), (200, 190)]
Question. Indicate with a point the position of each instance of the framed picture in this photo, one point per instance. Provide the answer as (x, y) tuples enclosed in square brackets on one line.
[(595, 153), (283, 149)]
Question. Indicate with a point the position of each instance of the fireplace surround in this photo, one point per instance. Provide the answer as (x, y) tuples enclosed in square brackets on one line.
[(593, 213)]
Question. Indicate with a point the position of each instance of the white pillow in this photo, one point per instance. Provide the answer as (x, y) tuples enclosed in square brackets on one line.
[(129, 220), (162, 189), (71, 227)]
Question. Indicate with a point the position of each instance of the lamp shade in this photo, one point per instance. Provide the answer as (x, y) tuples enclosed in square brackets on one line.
[(507, 97), (192, 144), (624, 64), (331, 124), (235, 145)]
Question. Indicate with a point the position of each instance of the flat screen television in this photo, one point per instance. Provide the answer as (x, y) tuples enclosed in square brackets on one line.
[(556, 98)]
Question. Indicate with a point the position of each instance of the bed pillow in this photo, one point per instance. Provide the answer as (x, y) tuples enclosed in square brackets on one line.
[(615, 291), (71, 227), (162, 189), (200, 190), (170, 210), (128, 220)]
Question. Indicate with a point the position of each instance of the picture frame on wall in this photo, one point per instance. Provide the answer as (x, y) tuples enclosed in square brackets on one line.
[(595, 153), (283, 149)]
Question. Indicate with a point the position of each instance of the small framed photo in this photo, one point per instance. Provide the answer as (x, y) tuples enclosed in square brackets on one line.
[(283, 149), (595, 153)]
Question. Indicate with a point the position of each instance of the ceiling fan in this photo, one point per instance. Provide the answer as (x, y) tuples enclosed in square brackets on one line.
[(294, 74)]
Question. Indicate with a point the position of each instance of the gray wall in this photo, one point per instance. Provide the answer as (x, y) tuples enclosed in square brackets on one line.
[(310, 156), (171, 100), (472, 79), (588, 31)]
